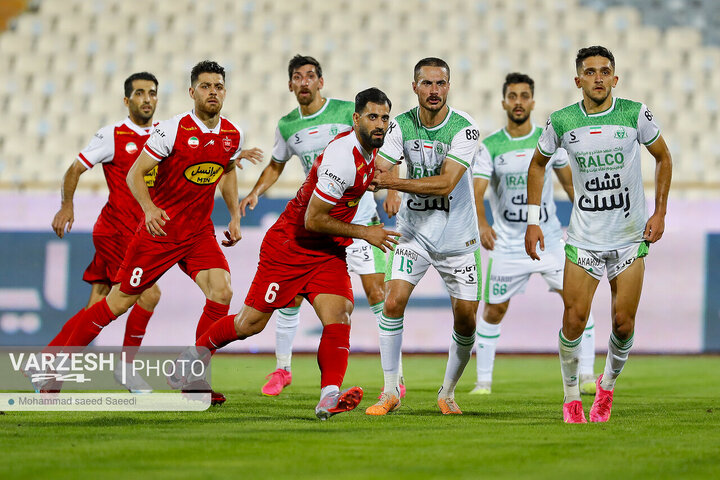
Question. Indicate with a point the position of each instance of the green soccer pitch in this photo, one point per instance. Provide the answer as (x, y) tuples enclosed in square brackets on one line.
[(665, 424)]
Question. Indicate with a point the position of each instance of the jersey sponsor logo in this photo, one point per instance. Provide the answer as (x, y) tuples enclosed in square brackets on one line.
[(425, 203), (99, 135), (224, 130), (193, 142), (297, 139), (620, 133), (211, 142), (404, 252), (122, 132), (588, 262), (206, 173), (595, 130), (419, 171), (334, 177), (597, 161), (151, 176), (189, 129), (573, 138), (227, 143), (516, 180), (160, 132), (354, 202), (471, 242), (131, 148), (501, 160)]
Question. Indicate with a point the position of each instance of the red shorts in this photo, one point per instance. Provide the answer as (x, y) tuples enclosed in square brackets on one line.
[(109, 254), (283, 274), (146, 260)]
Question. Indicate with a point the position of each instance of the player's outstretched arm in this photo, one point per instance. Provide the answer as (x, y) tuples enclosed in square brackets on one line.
[(442, 184), (564, 175), (229, 191), (268, 177), (487, 234), (318, 219), (155, 218), (253, 155), (533, 234), (663, 175), (65, 217)]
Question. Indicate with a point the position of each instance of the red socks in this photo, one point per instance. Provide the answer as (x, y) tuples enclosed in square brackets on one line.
[(219, 334), (61, 338), (90, 324), (333, 354), (212, 312), (135, 330)]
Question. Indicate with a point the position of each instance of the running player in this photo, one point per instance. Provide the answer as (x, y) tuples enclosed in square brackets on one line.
[(502, 161), (610, 227), (191, 151), (305, 132), (303, 253), (438, 222), (115, 147)]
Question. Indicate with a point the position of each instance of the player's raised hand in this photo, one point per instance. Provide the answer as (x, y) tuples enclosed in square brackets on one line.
[(488, 237), (155, 219), (253, 155), (533, 235), (232, 234), (391, 205), (382, 179), (250, 201), (654, 228), (64, 218), (377, 236)]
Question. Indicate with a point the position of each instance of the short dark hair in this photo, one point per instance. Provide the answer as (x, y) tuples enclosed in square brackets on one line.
[(138, 76), (594, 51), (517, 77), (371, 95), (206, 66), (430, 62), (299, 60)]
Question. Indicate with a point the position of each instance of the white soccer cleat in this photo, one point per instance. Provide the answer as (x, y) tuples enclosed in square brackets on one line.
[(482, 388), (134, 382), (338, 402)]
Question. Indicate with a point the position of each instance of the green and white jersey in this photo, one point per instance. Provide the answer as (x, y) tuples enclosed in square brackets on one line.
[(504, 161), (307, 136), (442, 225), (609, 211)]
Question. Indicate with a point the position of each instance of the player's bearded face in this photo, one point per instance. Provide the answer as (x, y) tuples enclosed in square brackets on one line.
[(596, 77), (432, 87), (305, 84), (142, 100), (518, 102), (209, 93), (372, 124)]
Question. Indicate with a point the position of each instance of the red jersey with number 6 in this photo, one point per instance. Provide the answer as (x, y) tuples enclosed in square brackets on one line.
[(192, 158)]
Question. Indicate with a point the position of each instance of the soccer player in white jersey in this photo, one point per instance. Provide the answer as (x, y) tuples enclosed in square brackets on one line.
[(305, 132), (502, 162), (438, 223), (610, 227)]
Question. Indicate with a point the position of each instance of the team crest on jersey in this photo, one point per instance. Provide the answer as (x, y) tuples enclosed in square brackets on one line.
[(227, 144), (352, 203), (193, 142), (439, 148), (131, 148), (333, 130), (620, 133), (204, 173)]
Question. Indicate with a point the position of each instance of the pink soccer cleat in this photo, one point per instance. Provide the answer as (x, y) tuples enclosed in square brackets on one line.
[(573, 412), (277, 380), (600, 410)]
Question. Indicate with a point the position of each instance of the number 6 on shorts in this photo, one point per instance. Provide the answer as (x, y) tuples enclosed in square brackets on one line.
[(136, 276), (271, 293)]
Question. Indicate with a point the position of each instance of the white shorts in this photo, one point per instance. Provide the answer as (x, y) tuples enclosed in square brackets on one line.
[(594, 262), (508, 275), (460, 273), (364, 259)]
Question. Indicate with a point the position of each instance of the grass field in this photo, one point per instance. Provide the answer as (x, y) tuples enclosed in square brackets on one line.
[(665, 424)]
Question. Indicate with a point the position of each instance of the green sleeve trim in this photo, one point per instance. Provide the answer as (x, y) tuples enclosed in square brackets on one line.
[(483, 175), (460, 161), (543, 151), (653, 139), (388, 158)]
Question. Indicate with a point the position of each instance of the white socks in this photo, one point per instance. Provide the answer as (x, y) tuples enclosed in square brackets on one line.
[(487, 337), (459, 355), (286, 325), (587, 348), (391, 330), (569, 351), (618, 351)]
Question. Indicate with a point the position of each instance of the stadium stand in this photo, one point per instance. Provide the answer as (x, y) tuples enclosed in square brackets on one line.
[(62, 63)]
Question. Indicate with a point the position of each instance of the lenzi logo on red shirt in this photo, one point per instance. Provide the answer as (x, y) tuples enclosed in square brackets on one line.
[(204, 173), (227, 143), (131, 148), (193, 142)]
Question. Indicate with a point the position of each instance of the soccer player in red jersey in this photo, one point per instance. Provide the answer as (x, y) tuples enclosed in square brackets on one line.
[(304, 252), (115, 147), (191, 151)]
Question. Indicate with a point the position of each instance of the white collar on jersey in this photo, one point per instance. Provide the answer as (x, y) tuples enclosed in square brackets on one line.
[(326, 102), (369, 157), (203, 128), (436, 127), (137, 128), (524, 137), (598, 114)]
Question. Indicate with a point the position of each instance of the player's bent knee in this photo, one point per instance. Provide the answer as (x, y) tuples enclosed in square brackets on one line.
[(151, 296), (623, 325), (222, 295), (494, 313), (394, 308)]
